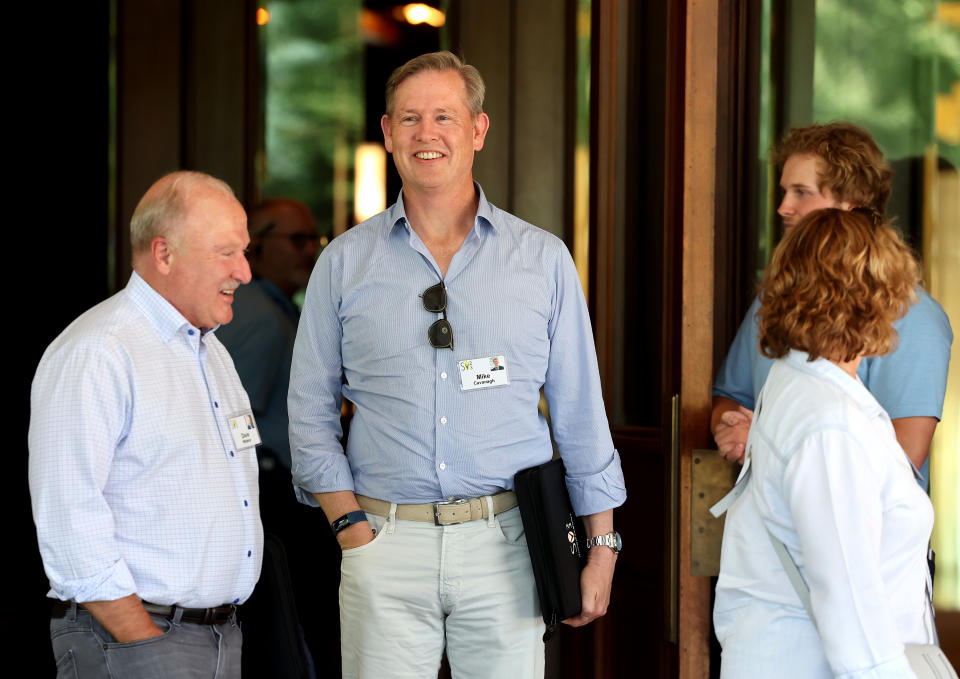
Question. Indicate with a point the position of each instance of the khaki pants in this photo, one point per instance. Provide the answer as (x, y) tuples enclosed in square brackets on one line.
[(419, 588)]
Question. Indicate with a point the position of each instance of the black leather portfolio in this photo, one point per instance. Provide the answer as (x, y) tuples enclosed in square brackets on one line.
[(556, 540)]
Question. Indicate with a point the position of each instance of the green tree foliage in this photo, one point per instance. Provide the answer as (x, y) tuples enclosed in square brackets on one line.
[(313, 101), (880, 64)]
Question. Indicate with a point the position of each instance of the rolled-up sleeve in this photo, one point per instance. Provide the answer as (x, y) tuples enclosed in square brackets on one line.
[(78, 411), (572, 388), (316, 379)]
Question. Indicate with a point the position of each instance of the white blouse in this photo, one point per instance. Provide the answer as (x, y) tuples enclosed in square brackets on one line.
[(831, 482)]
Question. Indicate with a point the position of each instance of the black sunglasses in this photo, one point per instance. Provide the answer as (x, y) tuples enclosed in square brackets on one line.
[(440, 333)]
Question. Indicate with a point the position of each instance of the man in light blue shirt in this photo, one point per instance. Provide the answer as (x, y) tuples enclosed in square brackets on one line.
[(143, 473), (840, 165), (404, 315)]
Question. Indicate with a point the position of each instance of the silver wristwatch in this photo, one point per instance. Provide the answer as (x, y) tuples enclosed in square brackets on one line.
[(611, 540)]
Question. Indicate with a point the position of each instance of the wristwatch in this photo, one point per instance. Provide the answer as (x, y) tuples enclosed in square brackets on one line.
[(611, 540), (348, 519)]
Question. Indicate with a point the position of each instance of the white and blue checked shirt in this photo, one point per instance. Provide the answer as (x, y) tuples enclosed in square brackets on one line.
[(135, 482), (512, 290)]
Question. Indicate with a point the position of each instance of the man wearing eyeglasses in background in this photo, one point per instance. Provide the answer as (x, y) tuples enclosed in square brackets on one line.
[(403, 316), (283, 249)]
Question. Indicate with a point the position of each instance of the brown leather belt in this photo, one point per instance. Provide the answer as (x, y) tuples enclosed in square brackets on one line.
[(218, 615), (443, 513)]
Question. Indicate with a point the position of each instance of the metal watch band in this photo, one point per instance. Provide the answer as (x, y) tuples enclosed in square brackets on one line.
[(611, 540)]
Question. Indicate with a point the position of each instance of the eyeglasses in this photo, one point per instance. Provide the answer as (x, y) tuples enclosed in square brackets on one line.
[(440, 333)]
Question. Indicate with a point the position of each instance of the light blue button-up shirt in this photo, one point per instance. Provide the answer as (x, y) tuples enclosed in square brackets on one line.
[(416, 436), (136, 484)]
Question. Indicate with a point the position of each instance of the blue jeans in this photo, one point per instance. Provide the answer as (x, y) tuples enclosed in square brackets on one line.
[(84, 649)]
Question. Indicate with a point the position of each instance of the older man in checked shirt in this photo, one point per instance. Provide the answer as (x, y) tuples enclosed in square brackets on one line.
[(406, 315), (143, 475)]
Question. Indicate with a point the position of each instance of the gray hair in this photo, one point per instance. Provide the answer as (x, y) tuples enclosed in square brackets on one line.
[(164, 206), (440, 61)]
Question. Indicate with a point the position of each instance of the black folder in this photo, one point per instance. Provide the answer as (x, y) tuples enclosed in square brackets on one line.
[(556, 539)]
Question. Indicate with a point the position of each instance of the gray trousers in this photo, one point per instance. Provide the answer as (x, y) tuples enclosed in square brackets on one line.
[(84, 649)]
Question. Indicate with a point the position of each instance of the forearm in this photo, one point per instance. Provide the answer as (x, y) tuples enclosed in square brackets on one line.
[(915, 435), (126, 619), (596, 579), (721, 404), (337, 504), (600, 524)]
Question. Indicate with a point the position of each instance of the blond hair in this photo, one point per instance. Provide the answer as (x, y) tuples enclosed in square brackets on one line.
[(439, 61), (849, 162)]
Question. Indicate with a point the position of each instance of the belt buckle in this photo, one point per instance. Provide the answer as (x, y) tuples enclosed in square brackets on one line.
[(438, 505)]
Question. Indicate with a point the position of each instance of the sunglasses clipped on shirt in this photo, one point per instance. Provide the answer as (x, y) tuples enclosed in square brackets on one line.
[(440, 333)]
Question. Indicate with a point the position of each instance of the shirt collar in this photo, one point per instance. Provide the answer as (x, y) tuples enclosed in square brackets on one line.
[(162, 315), (831, 372), (397, 214)]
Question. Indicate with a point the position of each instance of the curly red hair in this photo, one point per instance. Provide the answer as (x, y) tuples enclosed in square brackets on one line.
[(849, 162), (834, 287)]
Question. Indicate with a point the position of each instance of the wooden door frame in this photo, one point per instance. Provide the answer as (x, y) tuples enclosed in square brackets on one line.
[(692, 86), (696, 361)]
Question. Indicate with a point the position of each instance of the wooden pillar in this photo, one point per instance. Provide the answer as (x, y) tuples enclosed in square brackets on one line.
[(699, 157)]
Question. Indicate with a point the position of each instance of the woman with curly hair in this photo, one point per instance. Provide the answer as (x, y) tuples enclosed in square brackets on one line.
[(827, 477)]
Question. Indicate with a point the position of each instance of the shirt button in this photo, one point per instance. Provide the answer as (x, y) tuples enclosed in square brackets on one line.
[(443, 376), (216, 405), (443, 420), (231, 453), (190, 332), (249, 552), (443, 465), (245, 503), (236, 601)]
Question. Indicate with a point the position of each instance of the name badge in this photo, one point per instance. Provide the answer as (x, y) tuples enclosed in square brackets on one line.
[(244, 430), (481, 373)]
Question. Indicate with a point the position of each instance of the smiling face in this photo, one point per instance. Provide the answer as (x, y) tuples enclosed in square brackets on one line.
[(801, 190), (206, 261), (431, 133)]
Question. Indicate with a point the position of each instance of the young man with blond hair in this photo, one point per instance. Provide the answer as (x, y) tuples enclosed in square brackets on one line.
[(839, 165)]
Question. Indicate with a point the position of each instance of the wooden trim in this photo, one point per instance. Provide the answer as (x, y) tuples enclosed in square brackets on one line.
[(570, 118), (737, 168), (254, 107), (605, 159), (696, 362)]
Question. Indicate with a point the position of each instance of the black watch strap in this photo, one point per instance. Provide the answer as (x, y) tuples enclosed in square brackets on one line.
[(348, 519)]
